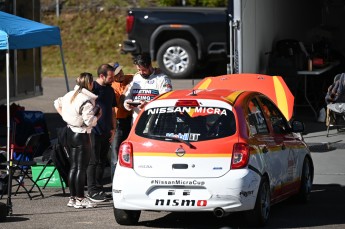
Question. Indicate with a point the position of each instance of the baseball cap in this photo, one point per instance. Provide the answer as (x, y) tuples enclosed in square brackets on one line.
[(117, 67)]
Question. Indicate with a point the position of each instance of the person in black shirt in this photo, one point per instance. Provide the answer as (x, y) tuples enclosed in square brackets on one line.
[(102, 133)]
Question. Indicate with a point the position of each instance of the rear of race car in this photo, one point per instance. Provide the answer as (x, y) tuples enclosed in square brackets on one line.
[(185, 155)]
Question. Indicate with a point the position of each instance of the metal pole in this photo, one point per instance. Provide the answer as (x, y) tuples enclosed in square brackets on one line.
[(8, 102), (57, 9), (8, 146), (64, 68), (230, 66)]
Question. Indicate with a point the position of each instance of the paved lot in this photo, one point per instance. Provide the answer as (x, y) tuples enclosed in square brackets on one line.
[(51, 211)]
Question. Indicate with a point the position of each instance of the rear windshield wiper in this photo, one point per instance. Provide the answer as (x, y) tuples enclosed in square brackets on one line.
[(176, 139)]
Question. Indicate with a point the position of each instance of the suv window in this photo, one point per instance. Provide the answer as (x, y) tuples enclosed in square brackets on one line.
[(186, 123)]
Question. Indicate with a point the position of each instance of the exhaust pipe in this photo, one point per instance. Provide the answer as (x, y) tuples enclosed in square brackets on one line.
[(219, 212)]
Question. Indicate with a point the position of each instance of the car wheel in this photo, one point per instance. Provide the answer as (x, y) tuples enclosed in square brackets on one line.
[(260, 214), (306, 181), (177, 58), (126, 217)]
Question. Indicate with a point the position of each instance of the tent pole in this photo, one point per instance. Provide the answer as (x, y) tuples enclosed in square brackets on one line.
[(9, 157), (8, 102), (64, 68)]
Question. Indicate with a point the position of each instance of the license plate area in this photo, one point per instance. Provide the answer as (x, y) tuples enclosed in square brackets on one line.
[(175, 192)]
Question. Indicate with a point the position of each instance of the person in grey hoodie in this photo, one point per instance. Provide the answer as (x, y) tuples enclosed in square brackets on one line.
[(78, 110)]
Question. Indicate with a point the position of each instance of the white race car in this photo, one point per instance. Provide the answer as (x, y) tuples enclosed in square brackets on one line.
[(215, 150)]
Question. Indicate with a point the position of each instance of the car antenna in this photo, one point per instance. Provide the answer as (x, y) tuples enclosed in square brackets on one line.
[(193, 91)]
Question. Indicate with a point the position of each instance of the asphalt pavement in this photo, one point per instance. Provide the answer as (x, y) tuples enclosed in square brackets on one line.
[(51, 211)]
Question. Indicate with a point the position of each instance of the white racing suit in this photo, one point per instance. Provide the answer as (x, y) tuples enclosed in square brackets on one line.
[(146, 89)]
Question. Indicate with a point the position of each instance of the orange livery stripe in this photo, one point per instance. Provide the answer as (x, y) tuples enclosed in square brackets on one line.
[(173, 154)]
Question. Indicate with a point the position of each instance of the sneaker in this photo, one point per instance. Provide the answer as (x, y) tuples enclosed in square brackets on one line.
[(322, 115), (84, 203), (105, 195), (96, 197), (71, 202)]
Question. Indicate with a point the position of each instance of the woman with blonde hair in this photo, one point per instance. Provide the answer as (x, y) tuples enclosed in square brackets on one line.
[(78, 110)]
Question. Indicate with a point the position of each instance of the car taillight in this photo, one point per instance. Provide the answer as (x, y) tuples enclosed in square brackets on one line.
[(126, 155), (129, 24), (240, 156)]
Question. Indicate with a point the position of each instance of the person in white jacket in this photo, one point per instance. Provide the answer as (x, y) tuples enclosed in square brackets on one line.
[(78, 110), (147, 83)]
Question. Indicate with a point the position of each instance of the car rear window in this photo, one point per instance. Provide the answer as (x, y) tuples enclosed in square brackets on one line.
[(186, 123)]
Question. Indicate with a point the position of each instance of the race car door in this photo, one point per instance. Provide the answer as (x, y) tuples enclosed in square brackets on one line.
[(261, 138), (286, 144)]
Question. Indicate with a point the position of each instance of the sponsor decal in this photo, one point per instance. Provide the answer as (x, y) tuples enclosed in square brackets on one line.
[(217, 168), (186, 193), (182, 203), (201, 110), (246, 193), (145, 166), (171, 192), (184, 136), (144, 94), (291, 169), (145, 91), (178, 182)]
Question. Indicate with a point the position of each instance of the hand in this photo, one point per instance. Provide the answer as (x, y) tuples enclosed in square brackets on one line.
[(127, 105), (142, 104), (97, 111), (99, 114)]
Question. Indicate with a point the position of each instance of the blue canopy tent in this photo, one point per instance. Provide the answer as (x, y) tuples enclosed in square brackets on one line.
[(20, 33)]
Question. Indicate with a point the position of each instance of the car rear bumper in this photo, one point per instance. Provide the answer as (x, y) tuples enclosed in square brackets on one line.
[(235, 191), (130, 46)]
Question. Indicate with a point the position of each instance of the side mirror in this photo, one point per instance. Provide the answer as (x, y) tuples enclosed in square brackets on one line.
[(297, 126)]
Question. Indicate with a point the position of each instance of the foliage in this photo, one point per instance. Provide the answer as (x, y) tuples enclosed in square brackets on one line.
[(207, 3), (88, 40)]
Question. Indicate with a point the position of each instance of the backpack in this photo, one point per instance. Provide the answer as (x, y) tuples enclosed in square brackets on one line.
[(58, 153)]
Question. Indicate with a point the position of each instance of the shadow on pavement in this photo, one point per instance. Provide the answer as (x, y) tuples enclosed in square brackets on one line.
[(326, 208)]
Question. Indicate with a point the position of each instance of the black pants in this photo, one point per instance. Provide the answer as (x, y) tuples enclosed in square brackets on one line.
[(98, 160), (79, 145), (123, 127)]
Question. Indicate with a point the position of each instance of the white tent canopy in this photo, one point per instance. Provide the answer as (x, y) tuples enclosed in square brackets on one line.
[(20, 33)]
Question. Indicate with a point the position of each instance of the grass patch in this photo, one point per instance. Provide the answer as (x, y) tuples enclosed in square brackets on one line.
[(89, 39)]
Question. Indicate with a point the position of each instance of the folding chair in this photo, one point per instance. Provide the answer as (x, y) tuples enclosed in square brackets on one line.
[(335, 117), (20, 167)]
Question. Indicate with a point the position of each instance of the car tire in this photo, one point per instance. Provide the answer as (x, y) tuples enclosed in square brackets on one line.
[(306, 181), (126, 217), (177, 58), (260, 214)]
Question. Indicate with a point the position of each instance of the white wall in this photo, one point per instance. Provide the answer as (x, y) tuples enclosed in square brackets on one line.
[(266, 21)]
